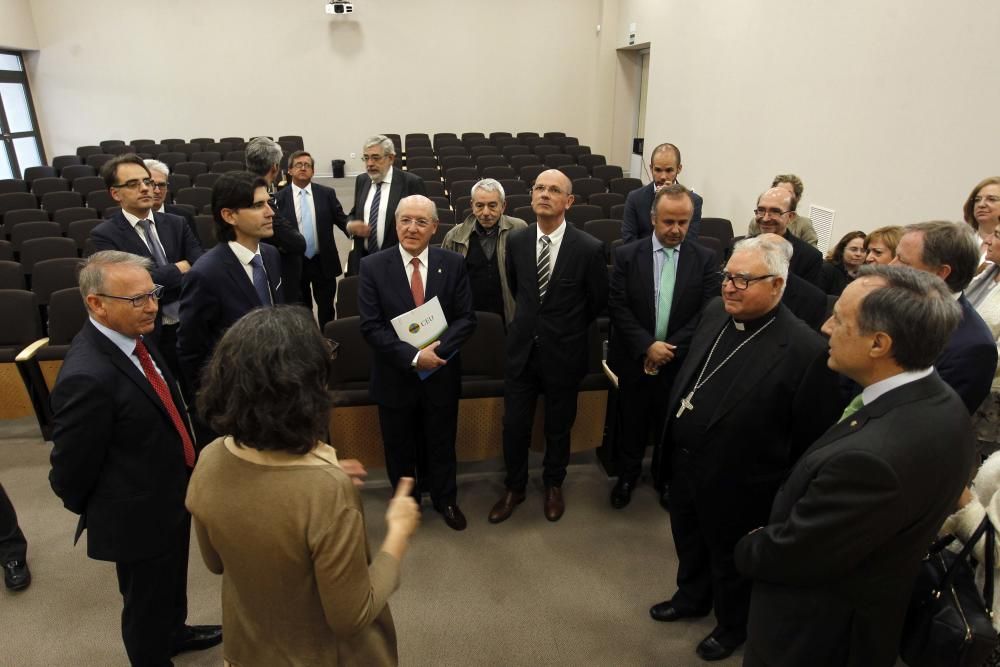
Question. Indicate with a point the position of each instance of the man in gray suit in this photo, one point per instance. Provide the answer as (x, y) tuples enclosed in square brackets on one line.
[(834, 567)]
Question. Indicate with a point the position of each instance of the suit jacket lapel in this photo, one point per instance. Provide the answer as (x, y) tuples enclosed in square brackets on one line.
[(397, 278), (238, 275), (166, 239), (566, 249), (685, 267), (123, 364), (645, 269), (765, 353), (435, 275), (131, 241)]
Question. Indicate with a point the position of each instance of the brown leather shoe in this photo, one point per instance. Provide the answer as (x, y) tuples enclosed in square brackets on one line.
[(554, 505), (505, 506)]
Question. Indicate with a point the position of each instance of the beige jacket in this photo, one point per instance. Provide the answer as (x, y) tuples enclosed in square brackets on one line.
[(457, 240), (800, 226)]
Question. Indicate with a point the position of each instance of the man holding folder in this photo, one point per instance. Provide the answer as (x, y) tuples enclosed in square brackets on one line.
[(417, 409)]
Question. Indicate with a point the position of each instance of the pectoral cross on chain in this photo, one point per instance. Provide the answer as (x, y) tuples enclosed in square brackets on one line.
[(686, 404)]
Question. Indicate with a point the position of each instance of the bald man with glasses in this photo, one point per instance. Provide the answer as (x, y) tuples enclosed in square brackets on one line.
[(163, 238), (377, 192)]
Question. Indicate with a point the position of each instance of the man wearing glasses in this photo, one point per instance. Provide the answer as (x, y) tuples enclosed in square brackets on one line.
[(316, 209), (163, 238), (752, 394), (417, 390), (123, 452), (160, 173), (773, 213), (559, 281), (376, 195)]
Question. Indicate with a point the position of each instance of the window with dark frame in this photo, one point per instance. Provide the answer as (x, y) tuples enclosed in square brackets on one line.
[(20, 142)]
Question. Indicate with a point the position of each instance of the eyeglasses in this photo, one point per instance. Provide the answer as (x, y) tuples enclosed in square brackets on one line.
[(302, 165), (373, 158), (741, 282), (421, 223), (989, 199), (139, 300), (773, 212), (551, 189), (159, 185), (135, 183)]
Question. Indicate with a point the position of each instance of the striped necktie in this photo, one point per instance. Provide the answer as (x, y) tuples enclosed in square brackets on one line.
[(543, 268), (373, 220)]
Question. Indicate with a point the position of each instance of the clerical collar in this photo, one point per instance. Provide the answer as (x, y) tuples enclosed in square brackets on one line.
[(756, 323), (486, 231)]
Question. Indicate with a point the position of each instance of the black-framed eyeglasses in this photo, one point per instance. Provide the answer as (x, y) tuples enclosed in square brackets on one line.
[(160, 185), (741, 282), (373, 158), (139, 300), (302, 165), (774, 212), (135, 183)]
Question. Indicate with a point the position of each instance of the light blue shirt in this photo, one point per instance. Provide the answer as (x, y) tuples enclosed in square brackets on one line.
[(658, 258), (125, 344)]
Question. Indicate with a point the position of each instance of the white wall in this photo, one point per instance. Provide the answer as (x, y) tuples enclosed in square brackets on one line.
[(887, 110), (17, 30), (186, 68)]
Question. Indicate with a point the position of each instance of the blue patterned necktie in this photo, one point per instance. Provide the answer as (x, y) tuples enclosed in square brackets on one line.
[(373, 220), (260, 280), (171, 310), (306, 223)]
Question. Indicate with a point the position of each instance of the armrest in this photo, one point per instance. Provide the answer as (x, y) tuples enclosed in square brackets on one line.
[(34, 384)]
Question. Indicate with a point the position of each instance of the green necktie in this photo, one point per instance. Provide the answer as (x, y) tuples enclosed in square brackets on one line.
[(666, 294), (852, 407)]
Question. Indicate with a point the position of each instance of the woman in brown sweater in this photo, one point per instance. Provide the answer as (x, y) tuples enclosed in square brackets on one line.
[(279, 517)]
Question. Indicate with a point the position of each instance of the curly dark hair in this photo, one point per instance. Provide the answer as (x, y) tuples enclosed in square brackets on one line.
[(266, 384)]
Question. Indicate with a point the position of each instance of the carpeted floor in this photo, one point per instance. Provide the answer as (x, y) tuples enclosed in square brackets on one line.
[(525, 592)]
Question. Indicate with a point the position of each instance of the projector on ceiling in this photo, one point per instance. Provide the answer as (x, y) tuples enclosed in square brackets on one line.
[(340, 8)]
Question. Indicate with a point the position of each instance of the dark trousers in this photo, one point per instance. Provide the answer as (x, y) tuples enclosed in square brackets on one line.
[(317, 287), (706, 573), (154, 592), (642, 409), (410, 434), (13, 546), (519, 401)]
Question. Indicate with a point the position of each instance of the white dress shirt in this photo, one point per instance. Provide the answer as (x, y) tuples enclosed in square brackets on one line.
[(555, 240), (246, 256), (408, 268), (134, 221), (382, 205), (125, 344), (873, 391)]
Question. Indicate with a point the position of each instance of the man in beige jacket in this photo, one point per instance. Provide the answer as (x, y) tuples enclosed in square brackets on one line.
[(482, 240)]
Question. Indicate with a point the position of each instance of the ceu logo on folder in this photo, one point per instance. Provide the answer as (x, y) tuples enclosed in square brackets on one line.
[(414, 328)]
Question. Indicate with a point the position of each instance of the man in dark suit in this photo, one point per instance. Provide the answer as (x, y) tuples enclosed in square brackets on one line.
[(951, 252), (559, 282), (806, 301), (834, 566), (664, 166), (316, 209), (658, 288), (752, 394), (234, 277), (376, 195), (773, 213), (416, 408), (160, 173), (162, 237), (122, 456), (263, 158)]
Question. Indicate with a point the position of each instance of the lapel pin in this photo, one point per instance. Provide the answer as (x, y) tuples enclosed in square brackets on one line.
[(854, 422), (439, 269)]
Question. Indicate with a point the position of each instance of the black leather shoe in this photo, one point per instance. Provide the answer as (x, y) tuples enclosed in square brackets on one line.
[(666, 612), (16, 575), (621, 495), (665, 498), (453, 517), (197, 638), (505, 506), (710, 648)]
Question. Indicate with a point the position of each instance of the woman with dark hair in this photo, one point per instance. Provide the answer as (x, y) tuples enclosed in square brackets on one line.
[(842, 263), (982, 211), (880, 245), (276, 513)]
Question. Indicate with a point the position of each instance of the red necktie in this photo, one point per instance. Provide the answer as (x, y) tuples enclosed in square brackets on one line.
[(417, 283), (160, 387)]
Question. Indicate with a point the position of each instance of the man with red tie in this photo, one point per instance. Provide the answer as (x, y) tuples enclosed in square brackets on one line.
[(416, 409), (123, 453)]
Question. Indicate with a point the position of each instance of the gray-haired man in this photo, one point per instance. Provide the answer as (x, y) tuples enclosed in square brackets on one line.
[(482, 240)]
